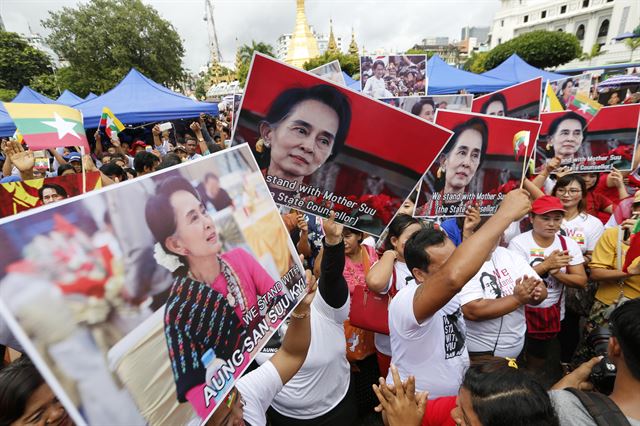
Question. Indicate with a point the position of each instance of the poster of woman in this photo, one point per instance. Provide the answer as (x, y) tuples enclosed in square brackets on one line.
[(518, 101), (142, 301), (481, 162), (425, 107), (321, 146), (393, 76)]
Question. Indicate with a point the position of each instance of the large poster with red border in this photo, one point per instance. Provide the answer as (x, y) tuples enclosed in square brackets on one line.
[(518, 101)]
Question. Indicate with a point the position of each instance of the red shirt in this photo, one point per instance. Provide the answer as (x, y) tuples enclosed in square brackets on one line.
[(596, 203), (438, 412)]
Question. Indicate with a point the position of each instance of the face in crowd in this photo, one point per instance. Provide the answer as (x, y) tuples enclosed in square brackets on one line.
[(427, 112), (496, 108), (191, 146)]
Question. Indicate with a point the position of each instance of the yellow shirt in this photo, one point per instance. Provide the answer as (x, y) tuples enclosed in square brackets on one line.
[(604, 257)]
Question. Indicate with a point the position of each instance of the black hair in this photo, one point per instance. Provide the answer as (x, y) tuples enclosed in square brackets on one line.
[(63, 168), (566, 83), (475, 123), (144, 159), (287, 100), (119, 156), (59, 190), (553, 128), (416, 109), (397, 227), (415, 253), (596, 182), (131, 171), (625, 326), (346, 231), (496, 97), (112, 169), (565, 181), (169, 160), (18, 381), (376, 63), (495, 390), (160, 216), (413, 197)]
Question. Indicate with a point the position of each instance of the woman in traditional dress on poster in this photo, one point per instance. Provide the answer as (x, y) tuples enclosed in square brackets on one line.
[(214, 299)]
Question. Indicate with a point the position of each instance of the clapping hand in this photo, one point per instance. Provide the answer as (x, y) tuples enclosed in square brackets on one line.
[(400, 403)]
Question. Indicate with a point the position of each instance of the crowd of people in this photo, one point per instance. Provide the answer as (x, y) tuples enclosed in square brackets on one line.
[(507, 320)]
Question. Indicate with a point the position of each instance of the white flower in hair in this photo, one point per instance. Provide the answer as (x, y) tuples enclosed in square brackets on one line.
[(169, 261)]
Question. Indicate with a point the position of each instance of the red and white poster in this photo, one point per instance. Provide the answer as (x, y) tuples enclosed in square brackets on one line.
[(518, 101)]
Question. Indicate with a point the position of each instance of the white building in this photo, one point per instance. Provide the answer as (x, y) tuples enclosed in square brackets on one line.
[(282, 46), (323, 42), (592, 21)]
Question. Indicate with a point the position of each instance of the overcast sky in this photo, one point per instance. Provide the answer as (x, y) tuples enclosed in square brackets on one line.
[(392, 25)]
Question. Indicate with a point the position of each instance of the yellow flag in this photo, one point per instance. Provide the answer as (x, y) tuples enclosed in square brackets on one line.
[(551, 102)]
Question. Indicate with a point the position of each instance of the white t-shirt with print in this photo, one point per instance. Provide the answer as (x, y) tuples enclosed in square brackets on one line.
[(495, 279), (382, 341), (585, 230), (433, 351), (323, 380), (531, 251), (258, 388)]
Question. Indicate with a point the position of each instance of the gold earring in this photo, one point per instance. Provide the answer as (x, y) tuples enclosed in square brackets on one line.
[(548, 147), (261, 145), (440, 172)]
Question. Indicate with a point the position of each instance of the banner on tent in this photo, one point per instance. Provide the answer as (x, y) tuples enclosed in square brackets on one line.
[(518, 101), (106, 299), (393, 76), (608, 141), (482, 161), (323, 147), (426, 106), (16, 197)]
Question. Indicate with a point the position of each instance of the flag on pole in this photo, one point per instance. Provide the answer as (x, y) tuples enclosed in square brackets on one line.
[(110, 123), (634, 247), (551, 102), (521, 143), (588, 108), (47, 126)]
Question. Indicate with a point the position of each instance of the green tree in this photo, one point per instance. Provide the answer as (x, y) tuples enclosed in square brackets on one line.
[(6, 95), (541, 49), (244, 55), (20, 62), (595, 51), (476, 62), (348, 63), (101, 40), (46, 84), (634, 42)]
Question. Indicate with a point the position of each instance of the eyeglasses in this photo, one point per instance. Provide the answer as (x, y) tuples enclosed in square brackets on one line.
[(572, 191)]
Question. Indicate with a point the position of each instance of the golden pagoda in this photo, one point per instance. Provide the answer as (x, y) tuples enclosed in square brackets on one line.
[(332, 47), (303, 45), (353, 46)]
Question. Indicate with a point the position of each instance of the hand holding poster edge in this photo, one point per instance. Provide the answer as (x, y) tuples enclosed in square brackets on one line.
[(530, 154), (29, 346), (311, 190)]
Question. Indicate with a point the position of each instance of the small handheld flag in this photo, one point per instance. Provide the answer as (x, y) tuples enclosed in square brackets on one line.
[(521, 143), (551, 102), (588, 108), (110, 123)]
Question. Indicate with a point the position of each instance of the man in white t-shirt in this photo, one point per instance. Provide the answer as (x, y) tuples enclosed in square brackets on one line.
[(426, 326), (493, 304)]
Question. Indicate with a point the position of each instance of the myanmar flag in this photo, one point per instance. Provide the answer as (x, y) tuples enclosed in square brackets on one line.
[(520, 143), (588, 108), (551, 102), (110, 123), (634, 247), (45, 126)]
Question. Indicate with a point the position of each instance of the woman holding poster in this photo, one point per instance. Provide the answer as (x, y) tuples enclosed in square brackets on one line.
[(215, 298), (302, 130), (566, 134)]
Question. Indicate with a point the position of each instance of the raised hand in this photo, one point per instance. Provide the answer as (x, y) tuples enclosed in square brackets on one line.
[(471, 219), (24, 160), (515, 204), (332, 229)]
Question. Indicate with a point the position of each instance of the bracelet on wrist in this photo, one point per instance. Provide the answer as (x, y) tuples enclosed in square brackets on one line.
[(300, 316)]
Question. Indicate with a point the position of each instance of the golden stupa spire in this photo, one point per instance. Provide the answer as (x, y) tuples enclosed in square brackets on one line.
[(332, 47), (353, 46), (303, 45)]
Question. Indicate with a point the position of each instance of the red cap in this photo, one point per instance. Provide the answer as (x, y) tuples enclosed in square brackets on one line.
[(546, 204)]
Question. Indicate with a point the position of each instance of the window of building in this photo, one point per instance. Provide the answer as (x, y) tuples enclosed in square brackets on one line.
[(560, 30), (502, 23), (604, 28), (563, 9), (580, 32), (543, 14), (526, 18), (585, 3), (499, 41), (609, 1)]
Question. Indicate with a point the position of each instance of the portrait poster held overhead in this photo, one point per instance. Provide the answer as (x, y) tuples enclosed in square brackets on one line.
[(608, 140), (482, 161), (16, 197), (393, 76), (114, 296), (426, 106), (566, 88), (330, 71), (322, 147), (518, 101)]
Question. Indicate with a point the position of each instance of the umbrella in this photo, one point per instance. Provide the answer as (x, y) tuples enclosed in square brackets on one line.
[(626, 35), (619, 81)]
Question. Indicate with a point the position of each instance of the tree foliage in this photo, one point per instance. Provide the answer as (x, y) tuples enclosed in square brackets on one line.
[(541, 49), (476, 62), (349, 63), (20, 62), (101, 40), (244, 55), (6, 95)]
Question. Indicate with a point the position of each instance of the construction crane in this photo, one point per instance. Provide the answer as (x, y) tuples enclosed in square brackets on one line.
[(214, 48)]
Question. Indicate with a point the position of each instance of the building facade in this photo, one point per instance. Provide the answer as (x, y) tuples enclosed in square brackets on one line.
[(594, 22), (481, 34)]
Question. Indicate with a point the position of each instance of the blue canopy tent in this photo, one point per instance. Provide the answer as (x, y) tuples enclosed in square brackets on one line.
[(69, 98), (350, 82), (138, 99), (26, 96), (444, 79), (90, 96), (515, 70)]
